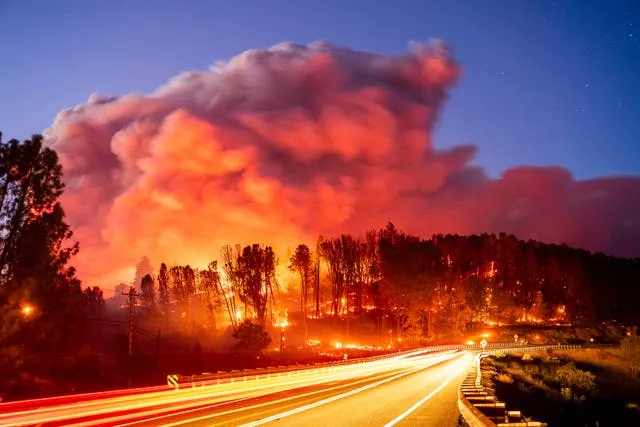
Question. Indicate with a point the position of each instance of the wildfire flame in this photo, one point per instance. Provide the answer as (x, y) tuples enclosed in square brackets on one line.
[(282, 319)]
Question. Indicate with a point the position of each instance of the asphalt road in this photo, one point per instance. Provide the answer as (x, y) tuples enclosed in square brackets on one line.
[(412, 389)]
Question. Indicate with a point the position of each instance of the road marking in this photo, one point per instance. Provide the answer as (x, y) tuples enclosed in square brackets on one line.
[(337, 397), (360, 373), (427, 397), (188, 395), (182, 395), (59, 413), (173, 414)]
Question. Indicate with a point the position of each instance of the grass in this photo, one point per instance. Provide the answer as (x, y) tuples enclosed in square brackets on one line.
[(574, 387), (606, 358)]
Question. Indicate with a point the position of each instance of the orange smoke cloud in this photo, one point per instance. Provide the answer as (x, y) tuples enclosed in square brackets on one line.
[(279, 145)]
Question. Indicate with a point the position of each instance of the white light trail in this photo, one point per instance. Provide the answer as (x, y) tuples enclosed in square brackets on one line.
[(456, 373)]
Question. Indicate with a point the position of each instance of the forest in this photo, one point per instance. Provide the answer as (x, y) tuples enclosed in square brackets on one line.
[(420, 289), (428, 287)]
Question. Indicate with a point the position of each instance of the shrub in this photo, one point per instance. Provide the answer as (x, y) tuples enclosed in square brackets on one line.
[(525, 388), (252, 337), (504, 378), (532, 370), (570, 376), (500, 365)]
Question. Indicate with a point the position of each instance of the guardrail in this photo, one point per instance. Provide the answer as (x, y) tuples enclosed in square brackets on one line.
[(479, 406), (224, 377)]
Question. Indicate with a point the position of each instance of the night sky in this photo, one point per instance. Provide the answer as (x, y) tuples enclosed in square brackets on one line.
[(545, 82)]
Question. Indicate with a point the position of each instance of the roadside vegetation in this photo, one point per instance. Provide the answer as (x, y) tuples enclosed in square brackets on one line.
[(584, 387)]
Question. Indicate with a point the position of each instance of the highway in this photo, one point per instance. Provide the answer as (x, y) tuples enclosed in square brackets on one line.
[(411, 388)]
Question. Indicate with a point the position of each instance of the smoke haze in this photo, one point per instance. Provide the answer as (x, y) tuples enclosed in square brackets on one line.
[(277, 146)]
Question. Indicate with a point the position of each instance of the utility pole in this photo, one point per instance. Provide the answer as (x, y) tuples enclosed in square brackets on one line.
[(282, 344), (132, 303)]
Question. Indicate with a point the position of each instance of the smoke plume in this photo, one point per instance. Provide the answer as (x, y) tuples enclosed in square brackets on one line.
[(280, 145)]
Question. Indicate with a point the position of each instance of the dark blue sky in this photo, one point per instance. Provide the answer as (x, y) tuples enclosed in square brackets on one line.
[(545, 82)]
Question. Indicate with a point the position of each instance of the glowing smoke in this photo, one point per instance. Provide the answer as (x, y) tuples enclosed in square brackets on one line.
[(278, 145)]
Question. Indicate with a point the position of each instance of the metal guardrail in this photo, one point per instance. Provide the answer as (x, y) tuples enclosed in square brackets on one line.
[(479, 407), (224, 377)]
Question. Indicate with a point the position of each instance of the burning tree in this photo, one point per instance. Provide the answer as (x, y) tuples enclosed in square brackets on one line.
[(231, 288), (148, 292), (256, 268), (163, 288), (209, 280), (302, 264), (142, 269), (408, 266), (331, 251)]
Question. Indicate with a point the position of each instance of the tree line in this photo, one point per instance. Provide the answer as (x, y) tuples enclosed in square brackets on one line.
[(424, 287), (243, 286)]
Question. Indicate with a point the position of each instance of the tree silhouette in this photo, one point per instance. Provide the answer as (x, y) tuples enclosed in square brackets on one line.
[(301, 263), (252, 337), (148, 296), (163, 288), (256, 271), (35, 249)]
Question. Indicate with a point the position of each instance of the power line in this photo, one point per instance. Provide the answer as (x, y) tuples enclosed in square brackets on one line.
[(132, 294)]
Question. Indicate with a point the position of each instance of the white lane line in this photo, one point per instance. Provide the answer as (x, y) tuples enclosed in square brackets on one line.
[(170, 398), (424, 399), (218, 414), (363, 370), (336, 397)]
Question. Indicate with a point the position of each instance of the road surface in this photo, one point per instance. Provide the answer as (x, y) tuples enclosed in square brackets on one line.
[(415, 388)]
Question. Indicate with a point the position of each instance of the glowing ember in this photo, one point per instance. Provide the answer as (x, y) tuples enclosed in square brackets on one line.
[(313, 342), (527, 318), (282, 320)]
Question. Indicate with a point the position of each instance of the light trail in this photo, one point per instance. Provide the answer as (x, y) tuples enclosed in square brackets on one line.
[(189, 408), (457, 369), (286, 399), (334, 398), (146, 403)]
